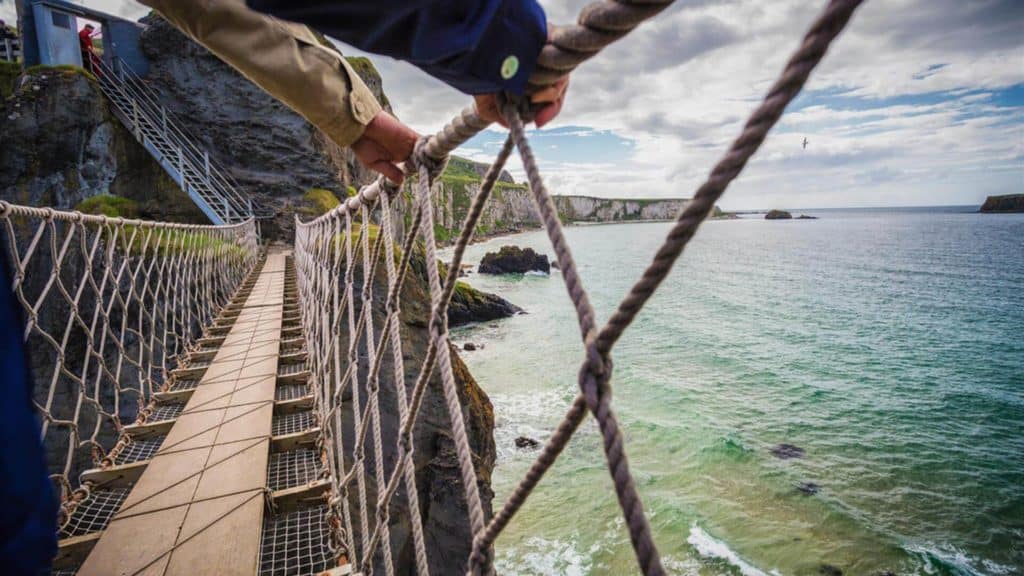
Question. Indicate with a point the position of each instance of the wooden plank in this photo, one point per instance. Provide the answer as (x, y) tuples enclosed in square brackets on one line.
[(205, 485), (72, 551), (149, 429), (117, 476), (293, 405), (287, 442), (290, 499)]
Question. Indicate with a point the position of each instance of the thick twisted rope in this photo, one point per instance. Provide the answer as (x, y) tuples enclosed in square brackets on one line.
[(599, 24)]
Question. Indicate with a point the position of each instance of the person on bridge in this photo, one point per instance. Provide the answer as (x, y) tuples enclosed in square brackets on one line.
[(481, 47)]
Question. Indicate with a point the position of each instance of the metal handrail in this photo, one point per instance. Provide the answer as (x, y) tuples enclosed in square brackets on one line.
[(127, 75), (148, 112), (170, 124)]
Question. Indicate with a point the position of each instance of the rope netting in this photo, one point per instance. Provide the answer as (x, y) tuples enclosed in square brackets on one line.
[(359, 236), (111, 306)]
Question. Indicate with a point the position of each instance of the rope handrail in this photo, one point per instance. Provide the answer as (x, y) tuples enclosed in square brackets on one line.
[(326, 270), (111, 305)]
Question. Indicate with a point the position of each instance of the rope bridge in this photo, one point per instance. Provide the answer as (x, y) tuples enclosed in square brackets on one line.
[(159, 284)]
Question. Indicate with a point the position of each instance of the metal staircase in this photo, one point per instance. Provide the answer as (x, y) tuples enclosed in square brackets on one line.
[(205, 181)]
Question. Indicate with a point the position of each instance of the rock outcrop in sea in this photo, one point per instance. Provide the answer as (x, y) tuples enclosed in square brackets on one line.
[(514, 260), (1005, 203), (470, 305), (778, 215)]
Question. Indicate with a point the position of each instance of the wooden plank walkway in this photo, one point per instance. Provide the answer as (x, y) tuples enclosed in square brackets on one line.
[(198, 507)]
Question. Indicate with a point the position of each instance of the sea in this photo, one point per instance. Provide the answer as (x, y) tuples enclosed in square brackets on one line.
[(887, 345)]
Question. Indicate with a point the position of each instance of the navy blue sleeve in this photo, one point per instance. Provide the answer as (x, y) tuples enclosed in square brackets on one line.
[(28, 524), (476, 46)]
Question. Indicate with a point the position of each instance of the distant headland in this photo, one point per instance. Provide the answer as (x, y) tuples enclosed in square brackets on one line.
[(1004, 203)]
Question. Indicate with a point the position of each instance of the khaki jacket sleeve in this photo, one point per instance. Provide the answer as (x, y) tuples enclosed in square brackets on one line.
[(284, 59)]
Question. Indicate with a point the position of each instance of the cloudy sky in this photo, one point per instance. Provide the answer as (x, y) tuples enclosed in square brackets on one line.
[(921, 102)]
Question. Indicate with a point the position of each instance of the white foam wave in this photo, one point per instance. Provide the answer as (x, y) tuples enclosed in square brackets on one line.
[(946, 558), (540, 556), (710, 548), (523, 415)]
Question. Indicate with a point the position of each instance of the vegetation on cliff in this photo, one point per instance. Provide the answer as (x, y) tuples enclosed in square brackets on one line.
[(110, 206), (317, 201), (9, 72)]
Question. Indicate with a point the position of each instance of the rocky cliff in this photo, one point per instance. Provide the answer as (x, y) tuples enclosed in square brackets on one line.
[(1005, 203), (511, 206), (273, 152), (60, 143), (441, 495)]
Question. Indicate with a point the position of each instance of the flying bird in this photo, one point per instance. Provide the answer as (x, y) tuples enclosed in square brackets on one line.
[(805, 142)]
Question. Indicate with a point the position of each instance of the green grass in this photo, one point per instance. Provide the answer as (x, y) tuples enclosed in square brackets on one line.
[(9, 72), (461, 167), (363, 66), (111, 206), (150, 241), (319, 201), (65, 69)]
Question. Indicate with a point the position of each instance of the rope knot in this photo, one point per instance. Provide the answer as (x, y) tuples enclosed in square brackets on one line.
[(480, 556), (595, 374), (388, 187), (510, 104), (420, 159)]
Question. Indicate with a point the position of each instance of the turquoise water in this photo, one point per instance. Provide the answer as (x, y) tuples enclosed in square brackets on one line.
[(888, 344)]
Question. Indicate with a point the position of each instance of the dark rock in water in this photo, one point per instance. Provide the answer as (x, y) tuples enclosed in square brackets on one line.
[(1005, 203), (470, 305), (806, 217), (778, 215), (469, 347), (514, 260), (524, 442), (808, 488), (787, 451), (829, 570)]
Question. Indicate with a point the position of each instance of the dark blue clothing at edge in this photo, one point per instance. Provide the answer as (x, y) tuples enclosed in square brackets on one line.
[(464, 43), (28, 523)]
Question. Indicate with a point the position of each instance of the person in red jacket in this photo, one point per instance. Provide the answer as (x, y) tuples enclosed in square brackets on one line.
[(85, 36)]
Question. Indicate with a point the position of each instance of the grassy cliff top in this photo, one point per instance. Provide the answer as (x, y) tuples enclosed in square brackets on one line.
[(9, 72), (110, 206)]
